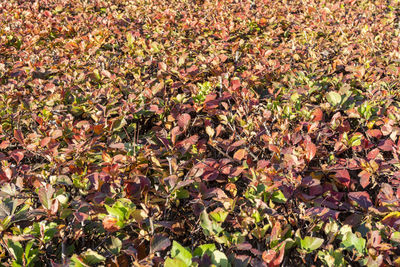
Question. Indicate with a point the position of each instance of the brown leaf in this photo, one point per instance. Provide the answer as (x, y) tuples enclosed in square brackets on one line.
[(159, 242)]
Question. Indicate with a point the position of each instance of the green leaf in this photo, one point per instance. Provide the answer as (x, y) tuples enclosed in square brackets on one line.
[(355, 140), (97, 74), (395, 237), (204, 249), (206, 223), (332, 258), (278, 197), (16, 250), (310, 243), (219, 216), (351, 241), (174, 263), (116, 212), (130, 39), (182, 193), (118, 124), (91, 257), (116, 245), (180, 252), (333, 98), (28, 247), (77, 261), (219, 259)]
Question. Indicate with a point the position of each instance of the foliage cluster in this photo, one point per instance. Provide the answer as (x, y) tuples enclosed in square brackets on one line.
[(192, 133)]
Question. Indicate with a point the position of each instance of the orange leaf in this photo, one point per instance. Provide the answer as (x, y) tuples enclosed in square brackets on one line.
[(110, 224), (240, 154), (106, 158), (311, 149), (263, 22), (318, 114), (56, 134)]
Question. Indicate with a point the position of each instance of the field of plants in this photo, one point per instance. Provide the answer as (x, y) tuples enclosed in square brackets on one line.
[(199, 133)]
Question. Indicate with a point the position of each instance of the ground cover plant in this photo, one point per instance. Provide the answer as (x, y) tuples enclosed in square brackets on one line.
[(198, 133)]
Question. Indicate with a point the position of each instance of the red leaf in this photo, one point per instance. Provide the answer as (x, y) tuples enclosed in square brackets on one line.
[(210, 175), (18, 135), (269, 255), (188, 142), (193, 70), (184, 120), (374, 238), (235, 84), (278, 260), (364, 178), (387, 145), (324, 213), (374, 133), (343, 177), (373, 154), (80, 216), (8, 172), (17, 156), (274, 148), (386, 129), (119, 146), (238, 143), (311, 149), (45, 141), (240, 154), (4, 144), (361, 198), (223, 58), (174, 133)]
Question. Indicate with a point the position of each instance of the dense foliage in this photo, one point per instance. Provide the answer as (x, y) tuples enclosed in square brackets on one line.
[(190, 133)]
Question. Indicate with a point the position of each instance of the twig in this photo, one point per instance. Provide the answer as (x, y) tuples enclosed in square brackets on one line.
[(224, 153)]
